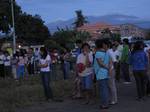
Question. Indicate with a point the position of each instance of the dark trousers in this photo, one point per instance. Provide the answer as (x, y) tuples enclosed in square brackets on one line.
[(45, 76), (117, 70), (7, 70), (104, 92), (2, 74), (147, 85), (31, 69), (125, 71), (140, 78)]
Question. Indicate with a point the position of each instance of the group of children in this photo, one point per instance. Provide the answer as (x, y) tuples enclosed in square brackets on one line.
[(108, 63), (18, 65)]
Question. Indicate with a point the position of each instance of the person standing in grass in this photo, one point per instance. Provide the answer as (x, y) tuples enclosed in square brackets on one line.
[(20, 66), (44, 65), (7, 64), (85, 59), (139, 63), (2, 74)]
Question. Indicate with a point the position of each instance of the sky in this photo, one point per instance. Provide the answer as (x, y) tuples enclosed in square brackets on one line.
[(54, 10)]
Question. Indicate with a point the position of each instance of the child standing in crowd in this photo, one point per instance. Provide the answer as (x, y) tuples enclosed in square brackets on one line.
[(36, 60), (125, 61), (101, 67), (2, 74), (85, 70), (44, 65), (113, 53), (7, 64), (77, 81), (20, 66), (139, 62), (30, 65), (66, 64), (14, 66)]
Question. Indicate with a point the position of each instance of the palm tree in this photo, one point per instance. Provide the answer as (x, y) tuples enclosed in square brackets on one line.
[(80, 20)]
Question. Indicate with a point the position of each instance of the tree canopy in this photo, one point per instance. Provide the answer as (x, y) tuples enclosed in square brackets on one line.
[(6, 16), (28, 28)]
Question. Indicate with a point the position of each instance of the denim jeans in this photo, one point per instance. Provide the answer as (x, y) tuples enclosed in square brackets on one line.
[(20, 71), (104, 91), (45, 76), (66, 69)]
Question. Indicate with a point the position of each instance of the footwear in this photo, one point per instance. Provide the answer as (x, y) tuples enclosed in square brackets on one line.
[(103, 107), (139, 99), (127, 82), (113, 103)]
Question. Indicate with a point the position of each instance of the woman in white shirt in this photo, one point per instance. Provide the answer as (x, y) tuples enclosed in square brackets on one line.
[(85, 70), (44, 65)]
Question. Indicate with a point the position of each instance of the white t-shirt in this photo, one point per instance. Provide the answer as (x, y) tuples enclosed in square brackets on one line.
[(113, 54), (7, 61), (44, 61), (1, 59), (82, 59)]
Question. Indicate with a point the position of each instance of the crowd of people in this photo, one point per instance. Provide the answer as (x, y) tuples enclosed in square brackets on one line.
[(109, 62), (18, 65)]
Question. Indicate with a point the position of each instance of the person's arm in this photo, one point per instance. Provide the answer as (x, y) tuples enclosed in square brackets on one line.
[(101, 63), (110, 66), (88, 60), (46, 64), (146, 60)]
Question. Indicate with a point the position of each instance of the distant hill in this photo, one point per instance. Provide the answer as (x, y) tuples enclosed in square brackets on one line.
[(114, 19)]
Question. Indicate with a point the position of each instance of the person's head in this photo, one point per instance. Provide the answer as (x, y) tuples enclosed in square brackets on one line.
[(117, 42), (36, 49), (114, 47), (85, 47), (102, 44), (6, 53), (1, 52), (43, 52), (79, 43), (125, 41), (139, 45)]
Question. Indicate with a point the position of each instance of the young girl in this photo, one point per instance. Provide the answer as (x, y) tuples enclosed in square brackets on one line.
[(20, 66), (85, 70), (44, 65)]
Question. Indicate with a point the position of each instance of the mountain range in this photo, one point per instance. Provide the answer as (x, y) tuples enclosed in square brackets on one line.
[(114, 19)]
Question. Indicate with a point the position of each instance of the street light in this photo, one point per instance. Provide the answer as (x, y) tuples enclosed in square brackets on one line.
[(13, 23)]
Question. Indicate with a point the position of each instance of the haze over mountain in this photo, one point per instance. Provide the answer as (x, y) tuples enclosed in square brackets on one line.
[(115, 19)]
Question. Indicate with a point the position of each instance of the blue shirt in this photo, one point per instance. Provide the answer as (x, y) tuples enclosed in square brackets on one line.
[(101, 73), (139, 60)]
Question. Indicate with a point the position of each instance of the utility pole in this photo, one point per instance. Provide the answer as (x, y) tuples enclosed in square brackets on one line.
[(13, 23)]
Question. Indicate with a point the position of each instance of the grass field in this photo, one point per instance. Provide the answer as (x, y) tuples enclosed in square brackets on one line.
[(14, 94)]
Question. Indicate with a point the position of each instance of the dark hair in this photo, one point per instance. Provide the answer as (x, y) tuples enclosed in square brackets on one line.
[(126, 41), (78, 42), (44, 52), (137, 46), (85, 44), (99, 43)]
